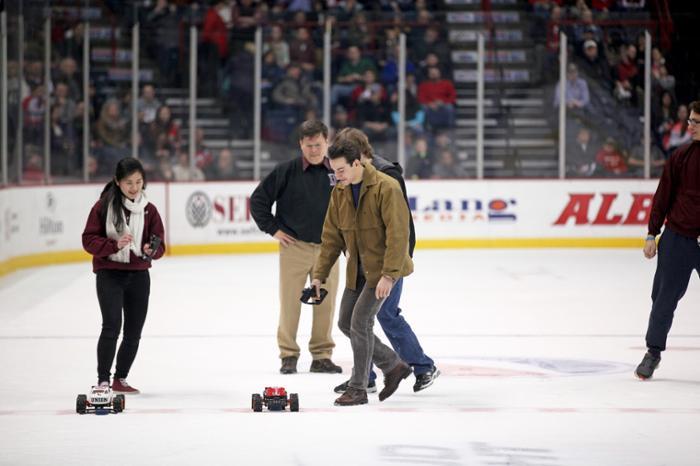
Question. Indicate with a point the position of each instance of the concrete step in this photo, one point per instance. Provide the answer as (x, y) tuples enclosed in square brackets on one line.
[(511, 142), (502, 112), (209, 122), (532, 153), (179, 101), (469, 17), (500, 162), (506, 101), (237, 145), (107, 55), (76, 13), (470, 36), (495, 131), (512, 122), (104, 33), (205, 111), (209, 132), (492, 75), (173, 92), (478, 3), (249, 164), (469, 57), (495, 112), (496, 90), (122, 75)]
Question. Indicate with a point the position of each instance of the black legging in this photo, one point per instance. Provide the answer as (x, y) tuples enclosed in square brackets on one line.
[(117, 290)]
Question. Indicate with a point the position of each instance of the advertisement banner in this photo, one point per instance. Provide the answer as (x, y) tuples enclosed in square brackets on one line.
[(530, 209), (212, 213), (51, 219), (215, 217)]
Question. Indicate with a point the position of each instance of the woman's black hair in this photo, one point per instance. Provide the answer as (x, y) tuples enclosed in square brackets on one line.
[(111, 194)]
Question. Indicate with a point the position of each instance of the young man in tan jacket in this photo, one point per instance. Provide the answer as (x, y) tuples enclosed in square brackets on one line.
[(367, 218), (397, 330)]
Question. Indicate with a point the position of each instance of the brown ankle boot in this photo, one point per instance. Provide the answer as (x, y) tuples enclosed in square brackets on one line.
[(393, 378), (289, 365), (325, 366), (352, 397)]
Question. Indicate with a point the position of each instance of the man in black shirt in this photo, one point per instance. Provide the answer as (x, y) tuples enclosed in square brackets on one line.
[(301, 189)]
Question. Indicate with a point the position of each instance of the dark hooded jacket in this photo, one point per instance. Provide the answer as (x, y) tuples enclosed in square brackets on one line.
[(394, 170)]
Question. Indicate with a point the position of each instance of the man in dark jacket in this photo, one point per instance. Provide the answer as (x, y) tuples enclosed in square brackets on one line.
[(301, 189), (677, 203), (397, 330)]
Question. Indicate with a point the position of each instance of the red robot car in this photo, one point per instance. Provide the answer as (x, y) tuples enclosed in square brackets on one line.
[(276, 399)]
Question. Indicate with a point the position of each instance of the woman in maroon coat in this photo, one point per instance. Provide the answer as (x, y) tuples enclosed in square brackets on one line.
[(118, 234)]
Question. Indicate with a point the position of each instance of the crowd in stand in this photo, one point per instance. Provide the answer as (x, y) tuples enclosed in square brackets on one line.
[(160, 145), (604, 86), (365, 71)]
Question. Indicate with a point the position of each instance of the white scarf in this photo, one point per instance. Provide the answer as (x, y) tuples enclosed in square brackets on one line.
[(134, 227)]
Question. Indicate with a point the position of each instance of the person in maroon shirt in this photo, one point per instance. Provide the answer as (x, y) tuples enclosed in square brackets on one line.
[(677, 202), (118, 235), (438, 96)]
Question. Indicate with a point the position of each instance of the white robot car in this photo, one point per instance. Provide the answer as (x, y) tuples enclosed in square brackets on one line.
[(101, 400)]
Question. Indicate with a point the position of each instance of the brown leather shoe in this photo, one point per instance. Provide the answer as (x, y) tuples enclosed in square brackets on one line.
[(289, 365), (326, 366), (393, 378), (352, 397)]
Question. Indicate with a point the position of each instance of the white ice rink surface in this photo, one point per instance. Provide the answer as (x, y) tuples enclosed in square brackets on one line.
[(536, 347)]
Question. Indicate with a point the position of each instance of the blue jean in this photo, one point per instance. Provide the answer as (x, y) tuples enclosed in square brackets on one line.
[(400, 334), (441, 117)]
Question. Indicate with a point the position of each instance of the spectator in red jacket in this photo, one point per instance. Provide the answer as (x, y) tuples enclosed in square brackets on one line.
[(372, 111), (215, 29), (215, 38), (678, 134), (626, 74), (302, 50), (33, 169), (610, 160), (367, 88), (438, 96), (602, 5), (34, 107)]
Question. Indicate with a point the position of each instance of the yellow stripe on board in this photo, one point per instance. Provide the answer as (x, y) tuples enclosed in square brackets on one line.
[(507, 243), (46, 258), (61, 257), (226, 248)]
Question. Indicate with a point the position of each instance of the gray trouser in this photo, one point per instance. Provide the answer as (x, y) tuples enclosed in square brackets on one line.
[(358, 308)]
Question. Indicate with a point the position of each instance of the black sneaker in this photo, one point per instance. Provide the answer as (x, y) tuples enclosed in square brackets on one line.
[(289, 365), (424, 381), (646, 368), (371, 387), (325, 366)]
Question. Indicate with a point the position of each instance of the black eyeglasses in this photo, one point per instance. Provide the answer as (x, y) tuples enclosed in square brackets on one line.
[(692, 122)]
